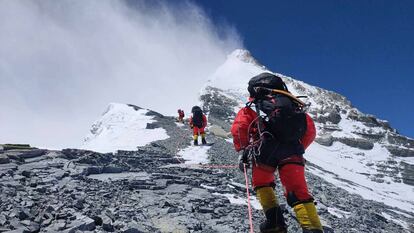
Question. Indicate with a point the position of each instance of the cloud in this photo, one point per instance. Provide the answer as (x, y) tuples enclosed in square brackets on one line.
[(63, 62)]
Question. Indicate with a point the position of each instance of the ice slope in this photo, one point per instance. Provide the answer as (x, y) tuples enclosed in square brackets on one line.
[(357, 170), (122, 127)]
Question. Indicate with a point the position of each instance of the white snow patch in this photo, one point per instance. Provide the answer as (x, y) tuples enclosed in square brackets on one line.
[(230, 140), (122, 128), (208, 187), (255, 203), (120, 176), (241, 200), (195, 154), (232, 198), (178, 124), (339, 213)]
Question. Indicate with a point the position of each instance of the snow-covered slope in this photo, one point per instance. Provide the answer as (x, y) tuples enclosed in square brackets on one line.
[(122, 127), (355, 151)]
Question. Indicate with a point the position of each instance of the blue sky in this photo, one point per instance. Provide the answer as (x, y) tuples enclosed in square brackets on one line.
[(363, 50)]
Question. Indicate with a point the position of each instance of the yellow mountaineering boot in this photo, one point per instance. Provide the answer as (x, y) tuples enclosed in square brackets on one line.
[(308, 217), (275, 222), (203, 138), (195, 140)]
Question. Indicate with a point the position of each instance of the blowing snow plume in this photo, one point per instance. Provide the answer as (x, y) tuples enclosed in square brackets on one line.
[(62, 62)]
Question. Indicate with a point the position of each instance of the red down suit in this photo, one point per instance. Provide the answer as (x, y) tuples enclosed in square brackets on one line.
[(286, 157)]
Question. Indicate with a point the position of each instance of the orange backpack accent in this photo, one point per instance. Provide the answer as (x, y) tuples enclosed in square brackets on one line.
[(240, 128)]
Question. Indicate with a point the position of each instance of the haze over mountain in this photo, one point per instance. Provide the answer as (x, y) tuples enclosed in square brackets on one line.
[(62, 62)]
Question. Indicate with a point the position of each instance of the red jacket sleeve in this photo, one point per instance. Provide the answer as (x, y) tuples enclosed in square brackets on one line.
[(310, 133), (240, 127)]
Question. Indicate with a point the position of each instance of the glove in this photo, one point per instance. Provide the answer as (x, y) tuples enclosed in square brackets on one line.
[(244, 160)]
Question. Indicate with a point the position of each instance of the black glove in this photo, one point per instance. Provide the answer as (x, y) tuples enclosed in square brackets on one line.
[(244, 160)]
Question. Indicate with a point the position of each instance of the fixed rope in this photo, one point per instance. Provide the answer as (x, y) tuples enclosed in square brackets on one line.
[(248, 199)]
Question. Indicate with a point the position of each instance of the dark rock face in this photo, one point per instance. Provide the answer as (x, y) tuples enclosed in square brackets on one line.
[(400, 140), (368, 120), (153, 113), (357, 143), (136, 108), (333, 117), (152, 125), (408, 173), (219, 107), (400, 152)]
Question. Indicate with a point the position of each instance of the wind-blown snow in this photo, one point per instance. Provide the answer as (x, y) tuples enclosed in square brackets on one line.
[(122, 128), (62, 61), (234, 74)]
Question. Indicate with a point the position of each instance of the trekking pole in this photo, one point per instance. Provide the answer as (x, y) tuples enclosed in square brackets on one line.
[(248, 199)]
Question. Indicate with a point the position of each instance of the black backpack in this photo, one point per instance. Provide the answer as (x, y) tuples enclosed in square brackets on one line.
[(285, 119), (197, 116), (266, 80)]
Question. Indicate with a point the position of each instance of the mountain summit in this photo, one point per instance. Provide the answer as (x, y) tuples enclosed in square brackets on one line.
[(353, 150)]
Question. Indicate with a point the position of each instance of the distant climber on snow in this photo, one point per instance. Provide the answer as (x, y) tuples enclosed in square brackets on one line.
[(273, 136), (180, 116), (198, 122)]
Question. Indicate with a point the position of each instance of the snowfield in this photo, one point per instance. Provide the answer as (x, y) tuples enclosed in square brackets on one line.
[(346, 167), (122, 128)]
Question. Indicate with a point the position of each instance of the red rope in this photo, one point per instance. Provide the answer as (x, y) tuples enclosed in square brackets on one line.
[(218, 166), (248, 199)]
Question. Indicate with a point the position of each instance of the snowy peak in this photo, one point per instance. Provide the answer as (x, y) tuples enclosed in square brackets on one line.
[(374, 160), (234, 73), (123, 127), (244, 56)]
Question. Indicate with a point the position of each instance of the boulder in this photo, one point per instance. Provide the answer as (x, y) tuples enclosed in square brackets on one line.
[(3, 220), (357, 143), (325, 140), (107, 223), (4, 159), (218, 131), (82, 223)]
